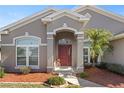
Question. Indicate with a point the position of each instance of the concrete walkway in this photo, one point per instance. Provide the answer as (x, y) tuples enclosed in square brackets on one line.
[(81, 82)]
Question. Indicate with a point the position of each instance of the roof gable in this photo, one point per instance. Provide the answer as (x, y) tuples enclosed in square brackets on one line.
[(100, 11), (26, 20), (70, 14)]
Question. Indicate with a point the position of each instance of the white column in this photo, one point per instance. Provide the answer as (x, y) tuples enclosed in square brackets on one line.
[(80, 66), (50, 53)]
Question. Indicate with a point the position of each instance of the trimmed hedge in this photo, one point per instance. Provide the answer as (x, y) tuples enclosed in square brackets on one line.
[(56, 81), (25, 69), (102, 65), (117, 68)]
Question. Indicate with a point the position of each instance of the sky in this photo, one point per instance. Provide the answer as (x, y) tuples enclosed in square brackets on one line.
[(10, 14)]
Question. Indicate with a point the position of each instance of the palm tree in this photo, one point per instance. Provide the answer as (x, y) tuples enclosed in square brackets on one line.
[(99, 42)]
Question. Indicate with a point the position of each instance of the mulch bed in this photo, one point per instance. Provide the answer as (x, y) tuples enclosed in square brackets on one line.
[(105, 77), (31, 77)]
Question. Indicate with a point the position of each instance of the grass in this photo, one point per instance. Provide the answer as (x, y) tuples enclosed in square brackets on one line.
[(20, 85), (73, 86)]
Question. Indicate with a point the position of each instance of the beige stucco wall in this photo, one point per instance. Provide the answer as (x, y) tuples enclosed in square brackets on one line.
[(117, 55), (100, 21), (35, 28), (59, 23)]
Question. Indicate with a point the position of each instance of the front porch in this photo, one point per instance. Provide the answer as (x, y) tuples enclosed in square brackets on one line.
[(65, 46)]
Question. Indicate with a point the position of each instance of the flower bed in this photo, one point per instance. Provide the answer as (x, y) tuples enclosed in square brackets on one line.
[(31, 77)]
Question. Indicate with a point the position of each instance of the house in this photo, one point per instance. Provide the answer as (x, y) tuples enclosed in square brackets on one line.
[(39, 40)]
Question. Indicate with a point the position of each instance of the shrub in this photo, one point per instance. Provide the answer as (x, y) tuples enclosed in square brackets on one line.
[(102, 65), (56, 81), (117, 68), (83, 75), (25, 69), (2, 73), (87, 65)]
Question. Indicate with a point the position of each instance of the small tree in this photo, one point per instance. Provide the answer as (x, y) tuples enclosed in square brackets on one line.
[(99, 42)]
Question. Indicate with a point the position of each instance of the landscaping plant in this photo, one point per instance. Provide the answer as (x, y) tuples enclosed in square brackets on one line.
[(99, 42), (56, 81), (2, 73), (83, 75), (117, 68), (25, 69)]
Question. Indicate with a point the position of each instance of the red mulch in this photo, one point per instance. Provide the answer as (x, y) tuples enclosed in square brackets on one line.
[(31, 77), (105, 77)]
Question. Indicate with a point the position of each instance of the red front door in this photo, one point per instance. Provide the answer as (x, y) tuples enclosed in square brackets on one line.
[(64, 54)]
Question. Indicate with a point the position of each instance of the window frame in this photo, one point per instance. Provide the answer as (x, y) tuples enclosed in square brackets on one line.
[(27, 51), (87, 55)]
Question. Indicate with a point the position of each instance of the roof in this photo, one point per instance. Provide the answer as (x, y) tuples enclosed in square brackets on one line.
[(100, 11), (54, 12), (26, 20)]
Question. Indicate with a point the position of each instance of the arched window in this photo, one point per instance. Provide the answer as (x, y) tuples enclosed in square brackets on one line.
[(65, 41), (27, 51)]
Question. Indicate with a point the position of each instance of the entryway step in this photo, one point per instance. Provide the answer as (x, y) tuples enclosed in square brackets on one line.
[(64, 71)]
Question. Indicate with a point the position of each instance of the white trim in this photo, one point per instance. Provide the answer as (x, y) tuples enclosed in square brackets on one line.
[(50, 33), (100, 11), (28, 19), (33, 67), (50, 38), (25, 36), (7, 44), (43, 44), (27, 47), (4, 32), (88, 53), (27, 56), (79, 33), (80, 37), (116, 37), (70, 14), (64, 28)]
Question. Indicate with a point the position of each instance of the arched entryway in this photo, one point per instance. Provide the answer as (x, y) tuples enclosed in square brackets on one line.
[(66, 44), (65, 47)]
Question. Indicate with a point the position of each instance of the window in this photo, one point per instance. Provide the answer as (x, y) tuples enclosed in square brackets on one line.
[(86, 55), (27, 51), (65, 42)]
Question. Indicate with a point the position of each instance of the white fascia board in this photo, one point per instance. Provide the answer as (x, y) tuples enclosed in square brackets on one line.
[(4, 32), (100, 11), (29, 18), (120, 36)]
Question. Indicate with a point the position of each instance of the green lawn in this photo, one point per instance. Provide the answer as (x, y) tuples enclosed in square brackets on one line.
[(20, 85)]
